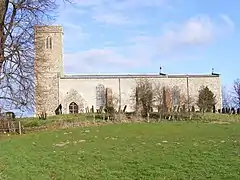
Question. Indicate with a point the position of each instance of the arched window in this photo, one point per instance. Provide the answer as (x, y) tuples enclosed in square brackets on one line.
[(176, 96), (100, 96), (49, 43), (73, 108)]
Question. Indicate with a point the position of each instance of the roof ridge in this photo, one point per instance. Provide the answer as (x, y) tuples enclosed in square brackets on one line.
[(100, 76)]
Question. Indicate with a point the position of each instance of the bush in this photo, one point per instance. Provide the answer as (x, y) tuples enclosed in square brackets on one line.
[(33, 123), (206, 100), (110, 112)]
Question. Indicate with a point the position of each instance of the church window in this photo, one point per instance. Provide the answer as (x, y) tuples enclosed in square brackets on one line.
[(175, 96), (49, 43), (73, 108), (100, 96)]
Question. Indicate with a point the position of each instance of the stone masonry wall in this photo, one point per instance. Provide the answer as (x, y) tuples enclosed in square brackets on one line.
[(48, 68)]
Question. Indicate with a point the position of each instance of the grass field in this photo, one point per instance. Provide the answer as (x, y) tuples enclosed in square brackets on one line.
[(35, 122), (167, 150)]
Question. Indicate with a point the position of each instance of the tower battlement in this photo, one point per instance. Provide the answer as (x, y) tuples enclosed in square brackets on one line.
[(48, 29)]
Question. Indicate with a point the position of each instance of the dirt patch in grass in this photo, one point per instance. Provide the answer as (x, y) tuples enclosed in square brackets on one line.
[(220, 122)]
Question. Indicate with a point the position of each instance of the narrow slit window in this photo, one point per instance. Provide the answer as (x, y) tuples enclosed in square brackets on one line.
[(49, 43)]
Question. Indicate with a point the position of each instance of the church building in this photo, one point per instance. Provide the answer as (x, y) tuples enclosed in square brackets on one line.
[(79, 93)]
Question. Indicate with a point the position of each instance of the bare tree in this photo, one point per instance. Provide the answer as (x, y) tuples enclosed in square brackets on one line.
[(143, 95), (17, 21), (153, 95), (236, 93), (163, 97), (115, 99), (158, 96), (175, 98), (171, 99), (226, 97)]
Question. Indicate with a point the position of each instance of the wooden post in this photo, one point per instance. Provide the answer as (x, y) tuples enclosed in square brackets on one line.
[(148, 117), (19, 127)]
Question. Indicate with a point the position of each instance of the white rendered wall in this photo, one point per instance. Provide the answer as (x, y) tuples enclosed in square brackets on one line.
[(87, 89)]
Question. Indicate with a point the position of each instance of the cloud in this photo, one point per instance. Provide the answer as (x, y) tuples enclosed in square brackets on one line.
[(199, 30), (194, 32), (117, 12), (122, 4), (73, 35), (103, 60), (111, 18), (146, 50), (72, 27)]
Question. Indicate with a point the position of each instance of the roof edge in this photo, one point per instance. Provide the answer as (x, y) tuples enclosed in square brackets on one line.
[(102, 76)]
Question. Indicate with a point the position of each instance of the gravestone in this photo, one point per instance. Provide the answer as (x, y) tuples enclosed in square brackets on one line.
[(124, 109), (42, 116), (193, 109), (214, 109), (223, 110), (58, 110)]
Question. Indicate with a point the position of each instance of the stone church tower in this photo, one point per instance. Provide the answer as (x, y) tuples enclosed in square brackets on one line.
[(48, 68)]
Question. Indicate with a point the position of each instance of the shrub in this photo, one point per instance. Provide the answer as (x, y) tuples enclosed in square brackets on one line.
[(206, 100), (110, 111)]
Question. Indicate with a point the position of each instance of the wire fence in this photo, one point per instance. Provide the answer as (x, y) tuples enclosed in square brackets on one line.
[(10, 126)]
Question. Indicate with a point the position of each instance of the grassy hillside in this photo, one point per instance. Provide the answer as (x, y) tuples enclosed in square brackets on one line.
[(72, 118), (125, 151)]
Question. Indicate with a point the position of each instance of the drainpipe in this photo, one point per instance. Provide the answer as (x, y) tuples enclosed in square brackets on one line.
[(119, 102)]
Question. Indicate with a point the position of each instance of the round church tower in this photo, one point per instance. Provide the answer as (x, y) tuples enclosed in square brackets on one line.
[(48, 68)]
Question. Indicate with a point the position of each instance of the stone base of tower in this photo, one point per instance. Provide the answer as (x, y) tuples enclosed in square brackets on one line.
[(46, 95)]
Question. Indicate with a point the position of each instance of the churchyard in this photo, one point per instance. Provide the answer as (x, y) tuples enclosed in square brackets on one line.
[(174, 142), (79, 147), (179, 128)]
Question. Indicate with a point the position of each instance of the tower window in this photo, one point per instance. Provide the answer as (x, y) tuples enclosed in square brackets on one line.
[(49, 43)]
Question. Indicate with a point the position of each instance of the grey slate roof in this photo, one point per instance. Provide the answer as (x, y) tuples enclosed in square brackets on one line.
[(115, 76)]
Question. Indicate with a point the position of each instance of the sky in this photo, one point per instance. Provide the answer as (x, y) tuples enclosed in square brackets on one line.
[(139, 36)]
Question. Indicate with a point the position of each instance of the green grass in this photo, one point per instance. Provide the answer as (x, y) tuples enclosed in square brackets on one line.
[(221, 117), (68, 118), (125, 151), (35, 122)]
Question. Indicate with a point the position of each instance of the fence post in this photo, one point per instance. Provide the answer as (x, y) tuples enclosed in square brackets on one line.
[(8, 126), (19, 127), (148, 117)]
